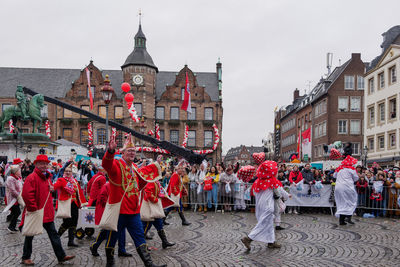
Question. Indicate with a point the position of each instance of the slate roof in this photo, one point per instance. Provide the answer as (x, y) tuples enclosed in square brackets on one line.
[(324, 84), (389, 38), (57, 82)]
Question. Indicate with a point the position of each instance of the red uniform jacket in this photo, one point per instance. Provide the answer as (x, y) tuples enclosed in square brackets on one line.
[(175, 186), (101, 202), (154, 191), (35, 192), (295, 177), (119, 176), (94, 187), (64, 195)]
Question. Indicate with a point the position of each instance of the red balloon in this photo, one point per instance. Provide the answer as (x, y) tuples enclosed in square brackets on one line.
[(125, 87), (129, 97)]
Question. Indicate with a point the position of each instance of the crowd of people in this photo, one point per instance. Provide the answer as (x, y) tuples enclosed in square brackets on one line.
[(168, 184)]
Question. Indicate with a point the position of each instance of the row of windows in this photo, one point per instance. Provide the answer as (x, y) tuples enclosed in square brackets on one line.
[(290, 140), (174, 113), (355, 126), (355, 103), (304, 122), (320, 129), (319, 149), (350, 85), (287, 154), (381, 110), (290, 124), (160, 112), (320, 108), (379, 139), (174, 137), (392, 78)]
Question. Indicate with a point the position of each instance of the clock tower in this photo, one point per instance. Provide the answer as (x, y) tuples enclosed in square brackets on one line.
[(140, 71)]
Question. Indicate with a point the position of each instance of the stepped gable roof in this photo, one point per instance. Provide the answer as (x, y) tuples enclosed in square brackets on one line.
[(207, 79)]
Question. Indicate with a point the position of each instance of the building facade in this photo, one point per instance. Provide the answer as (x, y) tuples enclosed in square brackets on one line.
[(157, 99), (338, 108), (382, 121), (242, 154)]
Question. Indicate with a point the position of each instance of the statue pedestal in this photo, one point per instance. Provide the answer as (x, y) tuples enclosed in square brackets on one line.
[(26, 145)]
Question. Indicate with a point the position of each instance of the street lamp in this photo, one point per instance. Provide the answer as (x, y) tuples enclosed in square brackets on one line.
[(107, 93)]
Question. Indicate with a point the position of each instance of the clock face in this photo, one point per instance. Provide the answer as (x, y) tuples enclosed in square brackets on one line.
[(137, 79)]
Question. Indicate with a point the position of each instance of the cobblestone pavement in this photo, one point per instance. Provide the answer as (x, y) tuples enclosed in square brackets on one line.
[(213, 239)]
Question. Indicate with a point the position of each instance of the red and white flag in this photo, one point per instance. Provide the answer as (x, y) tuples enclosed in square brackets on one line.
[(89, 88), (186, 104), (47, 127), (306, 143)]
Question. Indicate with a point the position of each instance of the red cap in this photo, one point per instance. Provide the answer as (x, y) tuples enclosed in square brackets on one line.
[(17, 161), (41, 157)]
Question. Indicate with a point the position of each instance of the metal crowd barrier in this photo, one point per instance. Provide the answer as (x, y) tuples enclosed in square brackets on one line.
[(239, 199)]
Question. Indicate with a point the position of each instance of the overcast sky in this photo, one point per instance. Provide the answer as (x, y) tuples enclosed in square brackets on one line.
[(267, 48)]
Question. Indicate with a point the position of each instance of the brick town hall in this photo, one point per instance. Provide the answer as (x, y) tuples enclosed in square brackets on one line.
[(158, 97)]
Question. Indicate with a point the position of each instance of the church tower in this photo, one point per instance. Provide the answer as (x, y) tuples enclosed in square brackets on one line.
[(140, 72)]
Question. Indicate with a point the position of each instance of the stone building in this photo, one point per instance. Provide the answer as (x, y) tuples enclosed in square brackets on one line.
[(242, 154), (381, 106), (158, 97)]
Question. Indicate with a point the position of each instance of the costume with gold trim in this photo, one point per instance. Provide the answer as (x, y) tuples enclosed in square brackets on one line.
[(175, 186), (123, 177)]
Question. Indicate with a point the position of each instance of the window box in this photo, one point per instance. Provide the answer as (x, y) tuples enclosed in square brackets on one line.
[(174, 122), (84, 121), (208, 123), (66, 121)]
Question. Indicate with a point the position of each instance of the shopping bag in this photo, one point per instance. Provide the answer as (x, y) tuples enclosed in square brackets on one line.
[(145, 211), (175, 199), (318, 185), (227, 188), (247, 194), (109, 220), (64, 208), (299, 186), (199, 189)]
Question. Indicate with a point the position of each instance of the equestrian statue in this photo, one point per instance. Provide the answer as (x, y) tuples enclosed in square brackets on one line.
[(24, 110)]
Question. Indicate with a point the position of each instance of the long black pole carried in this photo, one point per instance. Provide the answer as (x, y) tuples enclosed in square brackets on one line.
[(189, 155)]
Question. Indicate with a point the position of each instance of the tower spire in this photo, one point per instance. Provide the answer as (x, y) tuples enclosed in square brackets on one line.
[(140, 16)]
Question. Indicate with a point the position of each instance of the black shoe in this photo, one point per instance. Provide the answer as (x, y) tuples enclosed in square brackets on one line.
[(164, 240), (341, 220), (149, 236), (110, 257), (184, 222), (124, 254), (12, 230), (278, 228), (94, 251), (349, 220), (145, 256)]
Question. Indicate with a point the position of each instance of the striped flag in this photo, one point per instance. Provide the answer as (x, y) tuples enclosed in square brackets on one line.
[(89, 88)]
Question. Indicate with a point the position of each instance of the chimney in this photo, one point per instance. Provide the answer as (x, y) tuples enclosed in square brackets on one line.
[(356, 56), (296, 94)]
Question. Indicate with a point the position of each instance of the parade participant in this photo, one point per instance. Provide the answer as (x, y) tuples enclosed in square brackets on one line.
[(101, 202), (13, 190), (36, 193), (19, 162), (154, 193), (95, 184), (345, 192), (69, 188), (280, 196), (176, 188), (126, 182), (263, 189)]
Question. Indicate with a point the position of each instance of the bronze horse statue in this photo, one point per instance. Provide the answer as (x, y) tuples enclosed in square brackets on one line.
[(34, 109)]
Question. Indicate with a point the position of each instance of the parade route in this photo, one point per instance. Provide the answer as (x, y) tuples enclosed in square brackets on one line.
[(213, 239)]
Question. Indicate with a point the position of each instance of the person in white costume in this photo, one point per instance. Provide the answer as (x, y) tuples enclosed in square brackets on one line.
[(345, 192), (263, 190), (280, 196)]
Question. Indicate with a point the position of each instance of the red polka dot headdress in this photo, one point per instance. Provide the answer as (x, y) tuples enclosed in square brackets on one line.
[(267, 169), (348, 163)]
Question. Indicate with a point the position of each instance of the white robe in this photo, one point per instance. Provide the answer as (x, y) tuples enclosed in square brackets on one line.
[(345, 191), (283, 196), (264, 230)]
